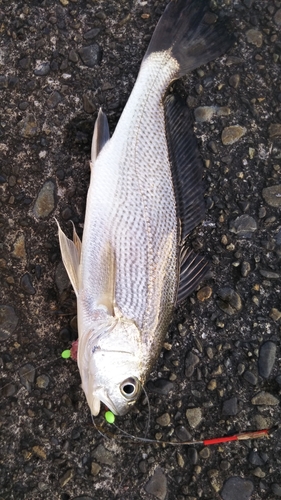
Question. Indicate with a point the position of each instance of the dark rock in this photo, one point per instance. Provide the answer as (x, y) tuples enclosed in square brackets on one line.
[(266, 360), (73, 56), (230, 301), (90, 55), (157, 485), (8, 321), (29, 126), (244, 226), (191, 361), (160, 386), (54, 99), (255, 459), (276, 489), (230, 407), (91, 33), (43, 69), (42, 381), (237, 487), (250, 377), (26, 284), (88, 105), (192, 456), (182, 433)]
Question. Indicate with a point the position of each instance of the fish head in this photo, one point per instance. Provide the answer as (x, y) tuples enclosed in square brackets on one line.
[(110, 366)]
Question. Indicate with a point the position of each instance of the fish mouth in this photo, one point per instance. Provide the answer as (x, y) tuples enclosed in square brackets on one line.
[(110, 405)]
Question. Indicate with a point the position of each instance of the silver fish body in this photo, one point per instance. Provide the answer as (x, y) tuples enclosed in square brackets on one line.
[(127, 272)]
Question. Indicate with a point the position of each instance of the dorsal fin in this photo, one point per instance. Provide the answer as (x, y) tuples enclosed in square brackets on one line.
[(100, 135), (193, 268), (186, 164), (187, 170)]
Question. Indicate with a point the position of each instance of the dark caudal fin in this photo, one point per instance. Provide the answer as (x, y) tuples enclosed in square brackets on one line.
[(185, 33)]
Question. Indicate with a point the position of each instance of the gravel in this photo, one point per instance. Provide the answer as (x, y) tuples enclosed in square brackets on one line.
[(219, 372)]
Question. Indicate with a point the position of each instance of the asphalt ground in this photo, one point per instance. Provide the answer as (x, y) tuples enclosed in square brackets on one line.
[(219, 372)]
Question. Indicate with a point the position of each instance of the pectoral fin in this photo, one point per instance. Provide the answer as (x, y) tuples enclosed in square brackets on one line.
[(70, 252), (100, 136)]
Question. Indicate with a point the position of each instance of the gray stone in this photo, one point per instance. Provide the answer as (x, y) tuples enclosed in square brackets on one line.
[(194, 416), (277, 17), (264, 398), (192, 455), (182, 433), (269, 274), (255, 37), (103, 456), (8, 321), (73, 56), (250, 377), (54, 99), (42, 69), (45, 202), (88, 105), (68, 475), (230, 407), (91, 33), (157, 485), (244, 226), (276, 489), (232, 134), (90, 55), (26, 284), (266, 359), (237, 487), (245, 268), (191, 361), (272, 195), (27, 375), (230, 301), (255, 459)]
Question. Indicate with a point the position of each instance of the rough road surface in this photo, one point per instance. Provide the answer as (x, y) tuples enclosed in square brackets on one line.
[(219, 372)]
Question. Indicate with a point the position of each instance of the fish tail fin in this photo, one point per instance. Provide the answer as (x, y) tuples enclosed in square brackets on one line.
[(190, 36)]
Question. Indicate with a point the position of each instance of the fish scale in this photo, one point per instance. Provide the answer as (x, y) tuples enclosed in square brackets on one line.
[(144, 198)]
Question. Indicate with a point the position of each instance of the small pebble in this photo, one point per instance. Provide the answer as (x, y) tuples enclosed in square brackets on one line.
[(244, 226), (204, 293), (95, 469), (230, 301), (54, 99), (266, 359), (160, 386), (191, 361), (90, 55), (164, 420), (264, 398), (69, 474), (250, 377), (157, 485), (272, 194), (42, 381), (26, 284), (29, 126), (194, 416), (45, 202), (230, 407), (254, 37), (276, 489), (237, 488), (42, 69), (27, 375), (103, 456), (232, 134)]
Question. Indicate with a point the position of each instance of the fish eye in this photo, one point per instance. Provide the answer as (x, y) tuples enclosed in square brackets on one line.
[(129, 388)]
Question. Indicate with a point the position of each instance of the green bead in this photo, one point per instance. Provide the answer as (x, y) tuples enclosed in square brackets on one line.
[(109, 417), (66, 354)]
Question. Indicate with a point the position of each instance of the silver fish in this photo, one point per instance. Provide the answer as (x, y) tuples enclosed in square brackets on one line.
[(144, 198)]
